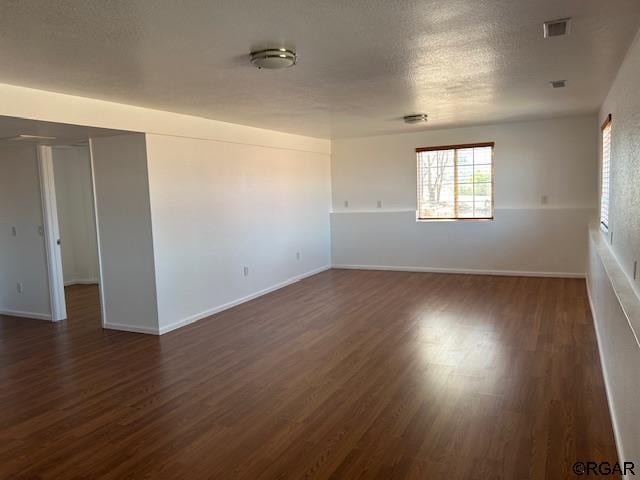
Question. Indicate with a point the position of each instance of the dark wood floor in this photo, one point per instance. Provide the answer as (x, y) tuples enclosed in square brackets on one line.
[(347, 374)]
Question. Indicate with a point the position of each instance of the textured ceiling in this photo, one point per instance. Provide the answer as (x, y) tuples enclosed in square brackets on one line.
[(362, 63)]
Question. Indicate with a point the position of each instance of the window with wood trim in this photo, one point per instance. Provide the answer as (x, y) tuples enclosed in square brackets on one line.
[(605, 174), (455, 182)]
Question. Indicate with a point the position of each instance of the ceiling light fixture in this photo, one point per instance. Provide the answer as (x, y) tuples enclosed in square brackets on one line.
[(556, 28), (274, 58), (416, 118), (558, 83)]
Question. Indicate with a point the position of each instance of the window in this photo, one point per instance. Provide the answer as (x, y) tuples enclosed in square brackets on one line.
[(605, 174), (455, 182)]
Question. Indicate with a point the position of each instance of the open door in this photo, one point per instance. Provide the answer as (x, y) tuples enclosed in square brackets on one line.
[(51, 233)]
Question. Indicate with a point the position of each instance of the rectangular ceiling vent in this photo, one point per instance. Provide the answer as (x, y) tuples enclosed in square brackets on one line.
[(558, 83), (556, 28)]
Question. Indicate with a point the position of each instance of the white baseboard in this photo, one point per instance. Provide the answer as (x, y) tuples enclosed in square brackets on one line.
[(226, 306), (130, 328), (81, 281), (18, 313), (607, 388), (509, 273)]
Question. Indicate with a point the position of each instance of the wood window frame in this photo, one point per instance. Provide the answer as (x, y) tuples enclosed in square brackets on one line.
[(607, 122), (455, 149)]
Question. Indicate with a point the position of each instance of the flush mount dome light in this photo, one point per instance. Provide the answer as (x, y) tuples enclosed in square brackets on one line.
[(274, 58), (417, 118)]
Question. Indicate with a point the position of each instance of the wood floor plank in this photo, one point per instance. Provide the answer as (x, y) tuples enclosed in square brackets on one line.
[(344, 375)]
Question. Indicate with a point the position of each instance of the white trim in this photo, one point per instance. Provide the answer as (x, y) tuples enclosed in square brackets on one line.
[(18, 313), (340, 211), (81, 281), (130, 328), (103, 310), (233, 303), (467, 271), (607, 388), (376, 210), (51, 233)]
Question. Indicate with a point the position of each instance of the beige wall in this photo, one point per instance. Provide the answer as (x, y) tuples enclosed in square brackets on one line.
[(217, 207)]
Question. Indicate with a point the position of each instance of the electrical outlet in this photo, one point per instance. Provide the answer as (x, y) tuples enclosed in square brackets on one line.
[(297, 255), (19, 288), (14, 232), (245, 271), (544, 199), (346, 204), (379, 203)]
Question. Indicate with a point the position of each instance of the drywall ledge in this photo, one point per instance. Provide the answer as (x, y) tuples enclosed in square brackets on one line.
[(459, 271), (629, 301), (194, 318), (616, 310)]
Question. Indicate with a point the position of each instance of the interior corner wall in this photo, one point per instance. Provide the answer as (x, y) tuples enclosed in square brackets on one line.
[(22, 255), (218, 207), (125, 243), (554, 158), (74, 199)]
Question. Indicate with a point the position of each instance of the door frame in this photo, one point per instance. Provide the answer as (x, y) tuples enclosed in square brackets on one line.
[(51, 233)]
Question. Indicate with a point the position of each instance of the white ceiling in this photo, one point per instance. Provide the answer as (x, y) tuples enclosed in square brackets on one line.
[(63, 134), (362, 63)]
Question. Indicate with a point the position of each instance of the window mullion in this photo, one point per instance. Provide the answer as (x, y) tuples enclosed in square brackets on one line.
[(455, 183)]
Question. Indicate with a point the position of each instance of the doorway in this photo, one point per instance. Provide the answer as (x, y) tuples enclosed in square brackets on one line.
[(77, 230), (69, 225)]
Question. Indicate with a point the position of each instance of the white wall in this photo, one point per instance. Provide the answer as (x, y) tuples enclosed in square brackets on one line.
[(22, 257), (217, 207), (554, 157), (623, 103), (125, 243), (616, 312), (614, 294), (74, 199)]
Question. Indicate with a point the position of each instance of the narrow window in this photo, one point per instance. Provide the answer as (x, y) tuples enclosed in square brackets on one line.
[(455, 182), (605, 187)]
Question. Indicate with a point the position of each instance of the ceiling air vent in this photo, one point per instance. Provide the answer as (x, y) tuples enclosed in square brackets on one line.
[(558, 83), (556, 28)]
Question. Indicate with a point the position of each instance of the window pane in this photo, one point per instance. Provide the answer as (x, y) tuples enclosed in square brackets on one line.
[(483, 209), (465, 157), (465, 209), (465, 174), (482, 173), (455, 183), (605, 174)]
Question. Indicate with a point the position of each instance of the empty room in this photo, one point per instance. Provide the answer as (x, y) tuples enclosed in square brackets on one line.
[(345, 239)]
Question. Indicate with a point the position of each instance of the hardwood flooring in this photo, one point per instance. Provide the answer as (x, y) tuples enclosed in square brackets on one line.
[(345, 375)]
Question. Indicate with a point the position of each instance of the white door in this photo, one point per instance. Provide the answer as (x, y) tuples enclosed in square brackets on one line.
[(51, 233)]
